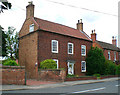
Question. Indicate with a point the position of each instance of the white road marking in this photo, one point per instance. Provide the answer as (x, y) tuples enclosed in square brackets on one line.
[(117, 85), (90, 90)]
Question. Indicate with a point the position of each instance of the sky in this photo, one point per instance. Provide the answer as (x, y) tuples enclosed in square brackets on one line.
[(101, 15)]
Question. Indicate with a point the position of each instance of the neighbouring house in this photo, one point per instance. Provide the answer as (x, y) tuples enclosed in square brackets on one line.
[(111, 51), (41, 39)]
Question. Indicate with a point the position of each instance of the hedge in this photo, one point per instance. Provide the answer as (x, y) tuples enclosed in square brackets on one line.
[(48, 64)]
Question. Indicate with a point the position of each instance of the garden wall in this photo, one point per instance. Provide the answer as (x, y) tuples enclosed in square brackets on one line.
[(13, 75), (56, 75)]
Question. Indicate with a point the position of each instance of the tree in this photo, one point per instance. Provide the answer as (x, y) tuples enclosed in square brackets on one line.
[(95, 61), (5, 6), (3, 36), (12, 43)]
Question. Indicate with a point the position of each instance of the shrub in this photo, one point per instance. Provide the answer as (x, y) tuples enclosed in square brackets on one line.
[(10, 63), (48, 64), (110, 68), (95, 62), (96, 75), (70, 76), (118, 70)]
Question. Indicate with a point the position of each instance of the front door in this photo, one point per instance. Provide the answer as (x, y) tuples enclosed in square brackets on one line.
[(70, 68)]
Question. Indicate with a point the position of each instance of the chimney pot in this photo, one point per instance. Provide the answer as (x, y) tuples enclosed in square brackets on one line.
[(80, 20), (92, 31)]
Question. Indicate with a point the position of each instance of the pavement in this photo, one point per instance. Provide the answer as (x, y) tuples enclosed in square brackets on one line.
[(32, 84)]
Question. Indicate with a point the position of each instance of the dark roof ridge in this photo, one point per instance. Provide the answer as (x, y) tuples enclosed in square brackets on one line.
[(104, 42)]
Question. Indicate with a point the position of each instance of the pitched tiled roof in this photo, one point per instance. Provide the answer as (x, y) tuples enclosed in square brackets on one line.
[(107, 46), (60, 29)]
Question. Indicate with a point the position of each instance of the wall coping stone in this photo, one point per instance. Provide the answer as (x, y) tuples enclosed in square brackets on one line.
[(12, 67)]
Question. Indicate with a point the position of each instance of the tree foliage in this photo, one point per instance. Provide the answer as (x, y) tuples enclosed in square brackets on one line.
[(3, 36), (12, 43), (48, 64), (110, 68), (5, 6), (118, 70), (95, 61)]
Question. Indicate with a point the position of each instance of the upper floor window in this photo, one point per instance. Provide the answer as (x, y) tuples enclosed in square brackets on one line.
[(54, 46), (114, 56), (83, 50), (109, 58), (70, 48), (83, 66), (31, 28), (56, 60)]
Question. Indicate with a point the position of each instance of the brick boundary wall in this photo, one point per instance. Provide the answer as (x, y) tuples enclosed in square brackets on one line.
[(89, 78), (13, 75), (55, 75)]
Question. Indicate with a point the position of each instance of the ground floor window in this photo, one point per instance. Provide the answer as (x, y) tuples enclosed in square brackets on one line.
[(83, 66)]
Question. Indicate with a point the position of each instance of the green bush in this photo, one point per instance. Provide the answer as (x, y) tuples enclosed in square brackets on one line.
[(4, 61), (95, 62), (110, 68), (96, 75), (10, 63), (118, 70), (70, 76), (48, 64)]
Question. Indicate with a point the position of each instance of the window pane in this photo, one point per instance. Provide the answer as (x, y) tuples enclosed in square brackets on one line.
[(31, 28), (83, 66), (83, 50), (54, 46), (70, 48)]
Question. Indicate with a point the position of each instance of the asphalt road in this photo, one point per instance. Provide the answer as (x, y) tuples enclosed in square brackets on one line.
[(102, 87)]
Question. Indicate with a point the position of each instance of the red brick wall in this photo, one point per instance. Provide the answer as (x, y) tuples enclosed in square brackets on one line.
[(28, 54), (44, 50), (111, 55), (13, 75), (52, 75)]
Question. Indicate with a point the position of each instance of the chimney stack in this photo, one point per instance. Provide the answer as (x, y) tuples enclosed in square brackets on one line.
[(30, 10), (93, 35), (80, 25), (114, 41)]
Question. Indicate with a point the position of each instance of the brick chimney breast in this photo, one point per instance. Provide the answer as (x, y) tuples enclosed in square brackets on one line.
[(93, 35), (80, 25), (30, 10), (114, 41)]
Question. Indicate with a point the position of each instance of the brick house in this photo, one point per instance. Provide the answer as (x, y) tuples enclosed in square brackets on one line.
[(41, 39), (111, 51)]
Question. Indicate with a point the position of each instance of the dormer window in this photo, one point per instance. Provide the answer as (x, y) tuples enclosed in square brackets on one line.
[(31, 28)]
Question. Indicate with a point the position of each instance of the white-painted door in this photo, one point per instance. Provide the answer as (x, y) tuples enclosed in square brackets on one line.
[(70, 68)]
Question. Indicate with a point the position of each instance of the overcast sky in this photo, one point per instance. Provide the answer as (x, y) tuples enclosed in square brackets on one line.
[(106, 25)]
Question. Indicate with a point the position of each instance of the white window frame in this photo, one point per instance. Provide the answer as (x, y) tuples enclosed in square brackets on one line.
[(82, 66), (83, 47), (114, 55), (31, 28), (69, 48), (56, 60), (109, 57), (53, 47)]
